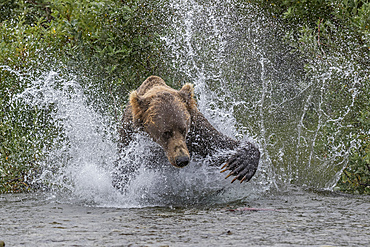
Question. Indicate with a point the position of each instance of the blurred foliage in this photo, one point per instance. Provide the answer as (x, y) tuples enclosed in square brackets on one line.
[(356, 176), (325, 26), (335, 34), (115, 42)]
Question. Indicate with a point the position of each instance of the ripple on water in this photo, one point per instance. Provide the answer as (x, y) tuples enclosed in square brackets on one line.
[(299, 218)]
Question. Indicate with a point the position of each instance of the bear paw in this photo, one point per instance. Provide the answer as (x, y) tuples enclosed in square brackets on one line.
[(242, 164)]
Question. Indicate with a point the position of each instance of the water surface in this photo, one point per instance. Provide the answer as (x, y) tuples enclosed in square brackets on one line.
[(295, 218)]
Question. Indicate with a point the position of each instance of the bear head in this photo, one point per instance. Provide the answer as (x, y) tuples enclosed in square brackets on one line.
[(165, 114)]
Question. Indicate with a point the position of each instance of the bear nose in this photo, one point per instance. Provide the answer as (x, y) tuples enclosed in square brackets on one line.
[(182, 161)]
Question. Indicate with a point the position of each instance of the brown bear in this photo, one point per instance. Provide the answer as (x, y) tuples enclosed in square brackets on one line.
[(171, 118)]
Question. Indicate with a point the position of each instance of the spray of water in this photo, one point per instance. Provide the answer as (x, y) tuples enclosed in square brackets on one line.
[(235, 57), (247, 84), (80, 167)]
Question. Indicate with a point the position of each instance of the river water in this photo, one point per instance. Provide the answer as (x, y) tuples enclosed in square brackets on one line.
[(293, 218), (249, 87)]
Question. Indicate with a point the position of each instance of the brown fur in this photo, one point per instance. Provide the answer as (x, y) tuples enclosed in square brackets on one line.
[(172, 120), (155, 104), (146, 100)]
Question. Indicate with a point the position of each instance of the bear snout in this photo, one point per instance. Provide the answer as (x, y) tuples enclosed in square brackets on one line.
[(182, 161)]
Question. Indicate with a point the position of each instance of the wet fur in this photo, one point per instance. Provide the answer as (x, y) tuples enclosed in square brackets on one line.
[(154, 101)]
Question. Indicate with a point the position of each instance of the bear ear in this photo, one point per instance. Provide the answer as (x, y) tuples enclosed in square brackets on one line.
[(187, 94), (138, 105)]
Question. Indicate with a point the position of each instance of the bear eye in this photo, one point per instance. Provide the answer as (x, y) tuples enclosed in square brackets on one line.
[(167, 134)]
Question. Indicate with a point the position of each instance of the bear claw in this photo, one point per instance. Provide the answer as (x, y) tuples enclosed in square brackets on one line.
[(231, 173), (224, 166), (242, 164), (224, 170)]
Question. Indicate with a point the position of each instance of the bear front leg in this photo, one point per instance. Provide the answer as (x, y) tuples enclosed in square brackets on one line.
[(243, 163), (204, 140), (127, 129)]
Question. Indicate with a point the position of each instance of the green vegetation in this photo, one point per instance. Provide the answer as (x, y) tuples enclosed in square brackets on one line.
[(327, 34), (118, 43), (118, 39)]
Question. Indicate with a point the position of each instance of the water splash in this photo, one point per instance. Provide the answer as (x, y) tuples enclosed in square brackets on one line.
[(81, 164), (247, 84), (235, 57)]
